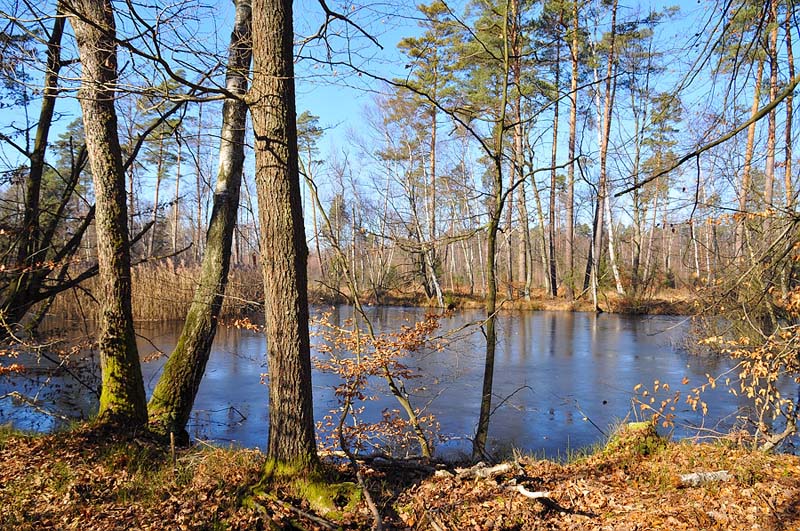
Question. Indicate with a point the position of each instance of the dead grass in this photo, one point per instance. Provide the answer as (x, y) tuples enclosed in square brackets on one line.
[(163, 292)]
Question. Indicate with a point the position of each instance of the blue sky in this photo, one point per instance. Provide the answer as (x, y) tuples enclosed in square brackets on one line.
[(336, 95)]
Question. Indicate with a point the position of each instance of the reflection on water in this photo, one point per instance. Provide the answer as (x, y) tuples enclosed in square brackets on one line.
[(560, 379)]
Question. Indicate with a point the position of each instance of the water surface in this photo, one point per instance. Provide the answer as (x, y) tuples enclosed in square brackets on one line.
[(561, 380)]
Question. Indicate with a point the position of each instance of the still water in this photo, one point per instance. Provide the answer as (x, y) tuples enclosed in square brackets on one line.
[(561, 380)]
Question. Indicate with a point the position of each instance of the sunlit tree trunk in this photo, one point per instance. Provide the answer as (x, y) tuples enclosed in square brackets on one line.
[(542, 232), (604, 126), (198, 175), (573, 120), (176, 201), (772, 53), (551, 272), (787, 175), (648, 257), (744, 187), (284, 253), (432, 251), (173, 396), (159, 175), (508, 233), (122, 398), (524, 257)]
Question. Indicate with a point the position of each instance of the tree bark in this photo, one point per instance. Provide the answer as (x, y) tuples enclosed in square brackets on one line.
[(573, 120), (17, 294), (284, 253), (787, 175), (551, 272), (122, 398), (173, 397), (744, 188)]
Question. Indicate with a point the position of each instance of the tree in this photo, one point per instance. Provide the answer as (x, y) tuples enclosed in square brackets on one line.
[(34, 255), (574, 44), (494, 96), (284, 254), (431, 60), (308, 134), (122, 398), (173, 396)]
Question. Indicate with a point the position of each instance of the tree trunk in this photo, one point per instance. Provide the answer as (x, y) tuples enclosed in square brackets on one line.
[(17, 294), (283, 242), (540, 218), (176, 202), (173, 397), (744, 188), (787, 175), (524, 256), (573, 120), (122, 399), (495, 215), (509, 243), (482, 431), (198, 175), (432, 252), (772, 51), (159, 175), (648, 257), (553, 157), (612, 253), (604, 133)]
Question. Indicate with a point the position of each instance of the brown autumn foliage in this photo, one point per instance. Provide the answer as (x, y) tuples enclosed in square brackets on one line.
[(355, 356), (632, 487), (91, 480)]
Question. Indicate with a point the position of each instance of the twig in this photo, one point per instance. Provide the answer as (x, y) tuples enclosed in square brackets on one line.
[(327, 524)]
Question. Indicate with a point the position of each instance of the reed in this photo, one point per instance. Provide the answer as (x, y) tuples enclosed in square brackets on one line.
[(163, 292)]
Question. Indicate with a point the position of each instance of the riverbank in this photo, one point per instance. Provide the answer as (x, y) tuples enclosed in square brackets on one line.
[(91, 481), (664, 302), (164, 292)]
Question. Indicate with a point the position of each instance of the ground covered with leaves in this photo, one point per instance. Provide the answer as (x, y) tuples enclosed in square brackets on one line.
[(88, 479)]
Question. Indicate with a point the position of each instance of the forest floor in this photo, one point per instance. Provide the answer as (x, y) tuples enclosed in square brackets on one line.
[(95, 480)]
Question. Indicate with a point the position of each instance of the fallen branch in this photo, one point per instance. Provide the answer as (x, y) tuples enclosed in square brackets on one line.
[(534, 495), (481, 471), (700, 478)]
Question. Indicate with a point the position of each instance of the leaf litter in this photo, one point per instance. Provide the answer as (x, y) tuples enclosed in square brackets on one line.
[(98, 480)]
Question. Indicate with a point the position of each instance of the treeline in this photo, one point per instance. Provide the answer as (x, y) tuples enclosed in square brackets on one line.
[(566, 142), (549, 109)]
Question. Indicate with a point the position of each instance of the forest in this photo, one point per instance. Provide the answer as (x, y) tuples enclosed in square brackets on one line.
[(294, 172)]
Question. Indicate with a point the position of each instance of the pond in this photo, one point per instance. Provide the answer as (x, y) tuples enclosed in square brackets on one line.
[(562, 381)]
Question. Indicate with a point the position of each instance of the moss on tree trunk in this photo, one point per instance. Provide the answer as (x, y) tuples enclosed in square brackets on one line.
[(283, 245), (173, 397), (122, 399)]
